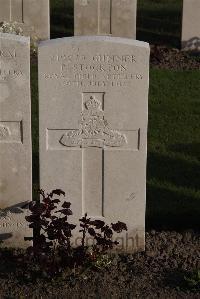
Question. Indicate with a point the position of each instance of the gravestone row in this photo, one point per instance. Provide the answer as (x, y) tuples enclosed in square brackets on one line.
[(96, 17), (30, 15), (93, 104), (93, 127)]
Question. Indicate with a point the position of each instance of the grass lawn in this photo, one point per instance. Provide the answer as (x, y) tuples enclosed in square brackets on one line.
[(173, 193), (160, 21), (62, 18)]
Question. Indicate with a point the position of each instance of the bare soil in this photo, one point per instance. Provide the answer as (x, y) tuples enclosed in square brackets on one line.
[(157, 273), (173, 59)]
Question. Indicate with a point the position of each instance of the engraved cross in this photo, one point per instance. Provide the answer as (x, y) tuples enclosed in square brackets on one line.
[(94, 136)]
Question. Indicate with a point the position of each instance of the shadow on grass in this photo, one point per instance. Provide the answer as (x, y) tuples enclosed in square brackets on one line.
[(175, 170), (159, 22), (191, 149), (170, 210), (62, 18), (173, 197)]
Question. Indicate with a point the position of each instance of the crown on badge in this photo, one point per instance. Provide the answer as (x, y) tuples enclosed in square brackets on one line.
[(92, 103)]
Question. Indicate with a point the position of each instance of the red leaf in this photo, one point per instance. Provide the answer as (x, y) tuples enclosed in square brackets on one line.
[(119, 226), (91, 231), (66, 205), (57, 192)]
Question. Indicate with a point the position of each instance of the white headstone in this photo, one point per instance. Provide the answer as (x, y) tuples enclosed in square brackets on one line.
[(105, 17), (15, 139), (93, 99), (31, 15), (191, 25)]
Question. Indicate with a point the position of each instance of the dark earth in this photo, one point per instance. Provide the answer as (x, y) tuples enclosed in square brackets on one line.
[(157, 273), (173, 59)]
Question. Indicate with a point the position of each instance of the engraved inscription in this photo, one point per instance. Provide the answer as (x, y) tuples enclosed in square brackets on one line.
[(94, 130), (4, 132), (9, 220), (9, 74), (99, 70), (7, 53)]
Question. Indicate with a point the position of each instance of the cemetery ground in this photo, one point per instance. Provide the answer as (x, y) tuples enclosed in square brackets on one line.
[(173, 171)]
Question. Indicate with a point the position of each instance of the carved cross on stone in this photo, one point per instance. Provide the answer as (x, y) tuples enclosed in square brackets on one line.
[(94, 137), (105, 17)]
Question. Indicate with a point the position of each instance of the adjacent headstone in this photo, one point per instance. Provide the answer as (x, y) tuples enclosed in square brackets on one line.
[(15, 139), (31, 15), (105, 17), (191, 25), (93, 99)]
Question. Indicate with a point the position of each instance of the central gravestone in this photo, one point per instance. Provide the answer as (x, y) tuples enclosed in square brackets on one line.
[(93, 128), (105, 17), (31, 15)]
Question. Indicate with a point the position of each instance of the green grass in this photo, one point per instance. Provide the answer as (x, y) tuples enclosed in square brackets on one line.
[(62, 18), (173, 193), (159, 21)]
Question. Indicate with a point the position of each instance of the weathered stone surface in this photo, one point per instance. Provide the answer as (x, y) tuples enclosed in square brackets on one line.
[(93, 98), (15, 139), (31, 15), (105, 17), (191, 25)]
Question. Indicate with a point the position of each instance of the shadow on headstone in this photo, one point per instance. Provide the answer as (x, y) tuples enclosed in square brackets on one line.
[(10, 218), (4, 237), (15, 209)]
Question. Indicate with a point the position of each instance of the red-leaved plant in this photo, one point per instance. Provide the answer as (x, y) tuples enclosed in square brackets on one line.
[(52, 248)]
